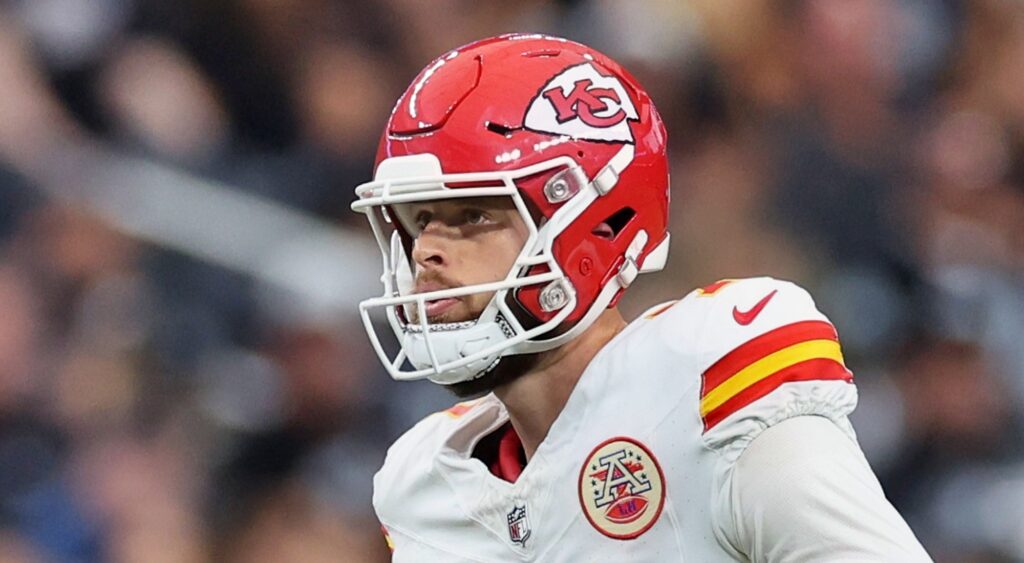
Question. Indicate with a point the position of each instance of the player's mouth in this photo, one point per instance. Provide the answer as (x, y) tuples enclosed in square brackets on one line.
[(437, 310), (438, 307)]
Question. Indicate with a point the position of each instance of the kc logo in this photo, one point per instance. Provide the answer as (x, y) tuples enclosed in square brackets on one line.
[(584, 104)]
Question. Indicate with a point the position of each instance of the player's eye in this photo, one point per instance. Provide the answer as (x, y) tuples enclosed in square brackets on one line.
[(423, 219), (475, 217)]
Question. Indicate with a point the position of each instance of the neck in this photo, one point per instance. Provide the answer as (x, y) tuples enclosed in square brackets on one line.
[(535, 399)]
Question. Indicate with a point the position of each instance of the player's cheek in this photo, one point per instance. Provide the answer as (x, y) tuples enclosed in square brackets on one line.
[(479, 303)]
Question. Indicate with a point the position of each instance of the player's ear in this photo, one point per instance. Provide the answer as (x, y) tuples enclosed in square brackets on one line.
[(604, 230)]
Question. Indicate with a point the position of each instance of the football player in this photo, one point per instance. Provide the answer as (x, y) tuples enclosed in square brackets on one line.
[(521, 186)]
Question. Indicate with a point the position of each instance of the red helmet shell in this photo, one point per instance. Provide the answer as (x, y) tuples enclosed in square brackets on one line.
[(474, 109)]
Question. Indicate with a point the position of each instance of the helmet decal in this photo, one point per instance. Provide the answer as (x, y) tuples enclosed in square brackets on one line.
[(584, 104)]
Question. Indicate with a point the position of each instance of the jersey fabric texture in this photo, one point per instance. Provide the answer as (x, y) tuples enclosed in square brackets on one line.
[(647, 460)]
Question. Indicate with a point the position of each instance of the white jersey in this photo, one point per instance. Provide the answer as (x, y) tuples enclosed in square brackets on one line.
[(644, 462)]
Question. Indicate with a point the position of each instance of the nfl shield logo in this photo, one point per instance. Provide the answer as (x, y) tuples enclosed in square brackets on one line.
[(518, 525)]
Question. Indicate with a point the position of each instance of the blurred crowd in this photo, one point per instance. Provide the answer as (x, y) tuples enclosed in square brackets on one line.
[(174, 388)]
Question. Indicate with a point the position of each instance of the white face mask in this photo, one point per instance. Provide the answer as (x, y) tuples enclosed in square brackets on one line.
[(449, 353)]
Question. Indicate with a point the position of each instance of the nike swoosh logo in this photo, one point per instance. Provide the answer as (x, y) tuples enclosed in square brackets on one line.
[(746, 317)]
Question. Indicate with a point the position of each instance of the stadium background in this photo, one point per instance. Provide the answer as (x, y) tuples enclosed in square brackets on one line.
[(182, 375)]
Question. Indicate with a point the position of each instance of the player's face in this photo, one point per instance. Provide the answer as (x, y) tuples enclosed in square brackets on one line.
[(463, 242)]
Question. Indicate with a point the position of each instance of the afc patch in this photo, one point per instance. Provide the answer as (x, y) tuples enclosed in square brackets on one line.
[(621, 488)]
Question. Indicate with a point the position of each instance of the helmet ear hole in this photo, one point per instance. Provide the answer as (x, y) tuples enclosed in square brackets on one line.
[(610, 228)]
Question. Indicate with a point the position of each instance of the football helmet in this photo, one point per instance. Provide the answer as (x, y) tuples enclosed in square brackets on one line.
[(574, 141)]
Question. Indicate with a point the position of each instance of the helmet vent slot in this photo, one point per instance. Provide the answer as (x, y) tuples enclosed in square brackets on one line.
[(503, 130)]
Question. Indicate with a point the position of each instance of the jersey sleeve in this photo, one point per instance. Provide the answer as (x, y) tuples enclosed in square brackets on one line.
[(803, 492), (769, 355), (406, 470), (411, 500)]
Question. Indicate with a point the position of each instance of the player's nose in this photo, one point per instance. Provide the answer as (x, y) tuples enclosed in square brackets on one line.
[(429, 251)]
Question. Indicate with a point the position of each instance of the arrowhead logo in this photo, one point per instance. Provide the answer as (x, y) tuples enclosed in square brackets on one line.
[(584, 104), (746, 317)]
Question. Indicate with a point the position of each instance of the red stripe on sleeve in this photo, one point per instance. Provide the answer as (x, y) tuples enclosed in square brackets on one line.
[(810, 370), (762, 346)]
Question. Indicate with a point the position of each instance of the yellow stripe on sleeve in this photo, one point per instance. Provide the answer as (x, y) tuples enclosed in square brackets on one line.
[(766, 366)]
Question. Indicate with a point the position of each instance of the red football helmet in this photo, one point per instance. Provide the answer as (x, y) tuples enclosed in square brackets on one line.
[(576, 143)]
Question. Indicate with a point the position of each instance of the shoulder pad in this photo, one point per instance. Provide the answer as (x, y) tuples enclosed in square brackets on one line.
[(767, 354)]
